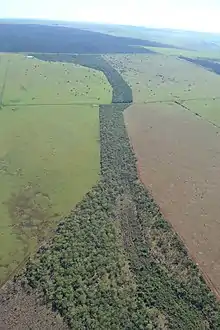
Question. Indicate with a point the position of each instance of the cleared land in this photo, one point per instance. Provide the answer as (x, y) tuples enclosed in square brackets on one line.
[(31, 81), (49, 155), (164, 78), (178, 160)]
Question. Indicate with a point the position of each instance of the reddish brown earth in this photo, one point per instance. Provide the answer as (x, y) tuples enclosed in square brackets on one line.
[(179, 162)]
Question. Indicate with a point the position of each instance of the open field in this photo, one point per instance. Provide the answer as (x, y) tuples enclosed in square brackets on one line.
[(178, 160), (161, 78), (185, 52), (208, 109), (3, 74), (30, 81), (49, 154), (49, 158)]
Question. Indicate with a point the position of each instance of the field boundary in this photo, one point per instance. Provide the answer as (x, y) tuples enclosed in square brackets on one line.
[(177, 101), (191, 255), (196, 114), (48, 104), (4, 84)]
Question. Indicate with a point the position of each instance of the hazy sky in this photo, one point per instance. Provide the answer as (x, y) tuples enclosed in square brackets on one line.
[(202, 15)]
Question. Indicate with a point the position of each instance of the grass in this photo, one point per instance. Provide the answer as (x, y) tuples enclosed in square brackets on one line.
[(3, 72), (184, 52), (49, 154), (208, 109), (31, 81), (164, 78)]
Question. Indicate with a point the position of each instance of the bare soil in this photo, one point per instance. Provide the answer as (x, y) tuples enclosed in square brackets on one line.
[(22, 310), (179, 162)]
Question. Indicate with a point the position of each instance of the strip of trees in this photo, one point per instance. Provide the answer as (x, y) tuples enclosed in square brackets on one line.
[(114, 262)]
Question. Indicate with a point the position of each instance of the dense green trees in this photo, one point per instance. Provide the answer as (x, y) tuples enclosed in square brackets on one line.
[(205, 63), (115, 263), (39, 38), (122, 93)]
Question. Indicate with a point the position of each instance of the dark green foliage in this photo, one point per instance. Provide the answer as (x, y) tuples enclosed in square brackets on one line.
[(185, 302), (205, 63), (38, 38), (82, 272), (122, 93)]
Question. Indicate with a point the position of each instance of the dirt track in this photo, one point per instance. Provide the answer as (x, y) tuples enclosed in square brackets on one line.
[(179, 162)]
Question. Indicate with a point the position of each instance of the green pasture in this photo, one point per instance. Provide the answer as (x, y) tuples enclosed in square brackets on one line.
[(49, 154), (208, 109), (49, 158), (31, 81), (164, 78), (3, 70), (185, 52)]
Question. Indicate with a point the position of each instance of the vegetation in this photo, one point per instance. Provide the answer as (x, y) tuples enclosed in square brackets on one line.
[(114, 262), (205, 63), (186, 52), (59, 39), (200, 41), (156, 78), (30, 81), (49, 154), (207, 109), (122, 93)]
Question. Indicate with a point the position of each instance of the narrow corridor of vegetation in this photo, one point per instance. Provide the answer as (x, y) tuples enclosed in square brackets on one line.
[(115, 263)]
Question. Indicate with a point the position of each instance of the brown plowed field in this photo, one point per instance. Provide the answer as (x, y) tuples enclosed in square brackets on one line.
[(179, 162)]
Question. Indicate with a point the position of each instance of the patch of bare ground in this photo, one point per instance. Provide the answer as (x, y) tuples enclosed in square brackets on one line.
[(20, 309), (179, 162)]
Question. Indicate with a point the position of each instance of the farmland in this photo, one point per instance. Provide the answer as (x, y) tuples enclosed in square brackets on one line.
[(94, 168), (184, 183), (49, 158), (207, 109), (164, 78), (115, 262), (184, 52), (37, 82)]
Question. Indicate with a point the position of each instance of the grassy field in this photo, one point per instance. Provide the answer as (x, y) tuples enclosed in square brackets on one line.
[(208, 109), (3, 71), (49, 158), (31, 81), (184, 52), (49, 154), (164, 78)]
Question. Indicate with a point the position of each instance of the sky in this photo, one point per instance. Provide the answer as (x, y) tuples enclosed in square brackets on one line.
[(197, 15)]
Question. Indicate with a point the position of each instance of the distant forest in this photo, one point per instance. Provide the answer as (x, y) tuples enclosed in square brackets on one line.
[(57, 39), (205, 63)]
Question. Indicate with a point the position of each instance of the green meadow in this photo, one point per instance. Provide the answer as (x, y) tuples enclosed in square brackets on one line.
[(208, 109), (49, 154), (155, 78), (31, 81), (184, 52)]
